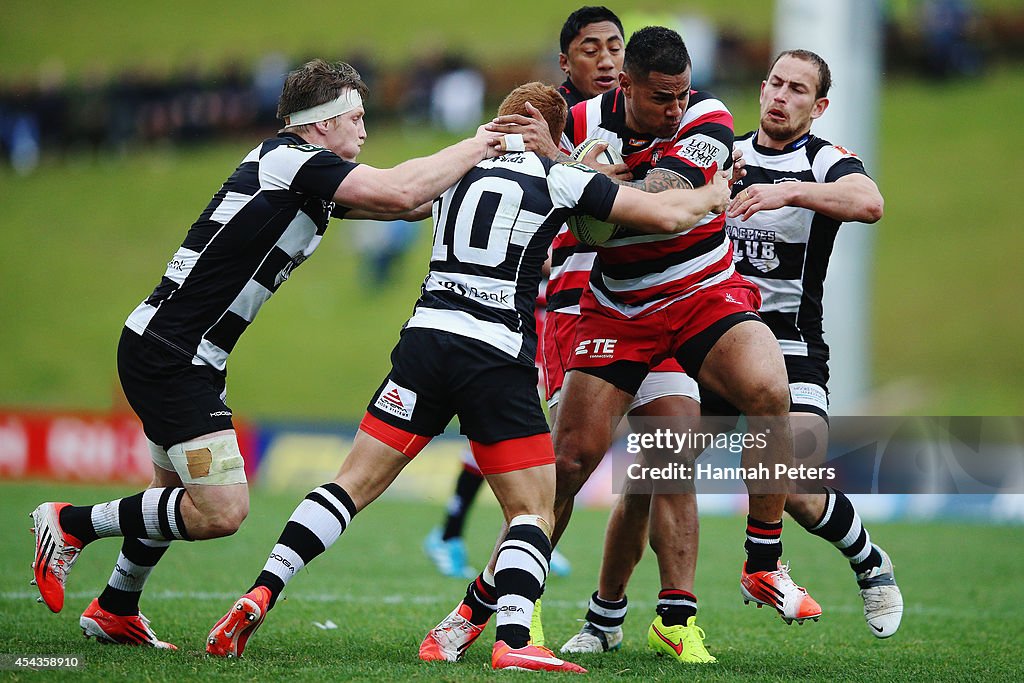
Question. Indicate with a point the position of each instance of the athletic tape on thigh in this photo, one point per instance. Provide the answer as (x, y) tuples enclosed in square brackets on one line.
[(209, 460)]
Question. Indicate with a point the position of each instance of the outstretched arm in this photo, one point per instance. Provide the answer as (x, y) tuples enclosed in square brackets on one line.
[(419, 213), (853, 197), (412, 183), (671, 210)]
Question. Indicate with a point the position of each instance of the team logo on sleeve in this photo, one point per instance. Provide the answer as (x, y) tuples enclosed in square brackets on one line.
[(701, 150), (307, 147), (396, 400)]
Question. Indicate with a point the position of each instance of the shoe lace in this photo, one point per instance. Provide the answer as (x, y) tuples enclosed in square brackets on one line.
[(874, 598), (144, 622), (783, 581), (454, 629), (63, 561)]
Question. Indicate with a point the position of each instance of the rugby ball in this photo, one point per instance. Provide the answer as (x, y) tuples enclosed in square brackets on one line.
[(587, 229)]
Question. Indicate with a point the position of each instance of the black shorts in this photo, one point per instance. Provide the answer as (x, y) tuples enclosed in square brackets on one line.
[(436, 375), (175, 399), (804, 373)]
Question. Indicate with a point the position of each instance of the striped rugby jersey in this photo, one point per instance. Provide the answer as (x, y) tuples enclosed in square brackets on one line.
[(492, 231), (266, 219), (638, 274), (571, 262), (785, 251)]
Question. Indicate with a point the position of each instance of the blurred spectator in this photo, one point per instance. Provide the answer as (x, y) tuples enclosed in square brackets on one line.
[(267, 81), (48, 115), (415, 101), (380, 244), (19, 130), (948, 27), (701, 38), (457, 98)]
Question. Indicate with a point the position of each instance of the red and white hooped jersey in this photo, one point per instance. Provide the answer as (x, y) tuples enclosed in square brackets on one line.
[(636, 274)]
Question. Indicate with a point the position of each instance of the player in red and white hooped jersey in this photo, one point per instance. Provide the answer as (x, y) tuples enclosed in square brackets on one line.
[(637, 275), (592, 57), (677, 297)]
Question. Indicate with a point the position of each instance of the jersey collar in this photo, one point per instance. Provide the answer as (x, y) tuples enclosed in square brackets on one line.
[(791, 147), (570, 92)]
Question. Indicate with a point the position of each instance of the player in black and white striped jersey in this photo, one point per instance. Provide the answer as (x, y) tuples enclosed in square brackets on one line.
[(591, 44), (468, 350), (267, 218), (783, 221)]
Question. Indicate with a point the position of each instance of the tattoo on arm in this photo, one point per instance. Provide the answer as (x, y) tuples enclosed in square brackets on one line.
[(638, 184), (659, 180)]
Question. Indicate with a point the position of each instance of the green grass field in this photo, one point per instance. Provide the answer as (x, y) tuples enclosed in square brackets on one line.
[(963, 619)]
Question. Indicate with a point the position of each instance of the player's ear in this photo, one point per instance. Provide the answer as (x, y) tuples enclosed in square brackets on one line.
[(625, 82), (820, 105), (563, 63)]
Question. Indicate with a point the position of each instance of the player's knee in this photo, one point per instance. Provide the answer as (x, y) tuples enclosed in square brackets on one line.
[(571, 470), (567, 475), (579, 447), (221, 520), (227, 523), (767, 396), (236, 515)]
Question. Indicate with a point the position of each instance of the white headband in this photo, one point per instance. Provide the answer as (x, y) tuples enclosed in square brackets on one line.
[(348, 100)]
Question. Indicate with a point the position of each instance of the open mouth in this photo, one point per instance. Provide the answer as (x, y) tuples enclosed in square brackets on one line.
[(776, 115), (605, 82)]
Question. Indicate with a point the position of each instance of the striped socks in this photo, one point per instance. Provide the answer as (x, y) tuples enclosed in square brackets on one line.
[(154, 514), (675, 606), (519, 578), (763, 545), (135, 562), (840, 525), (318, 521), (606, 615)]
